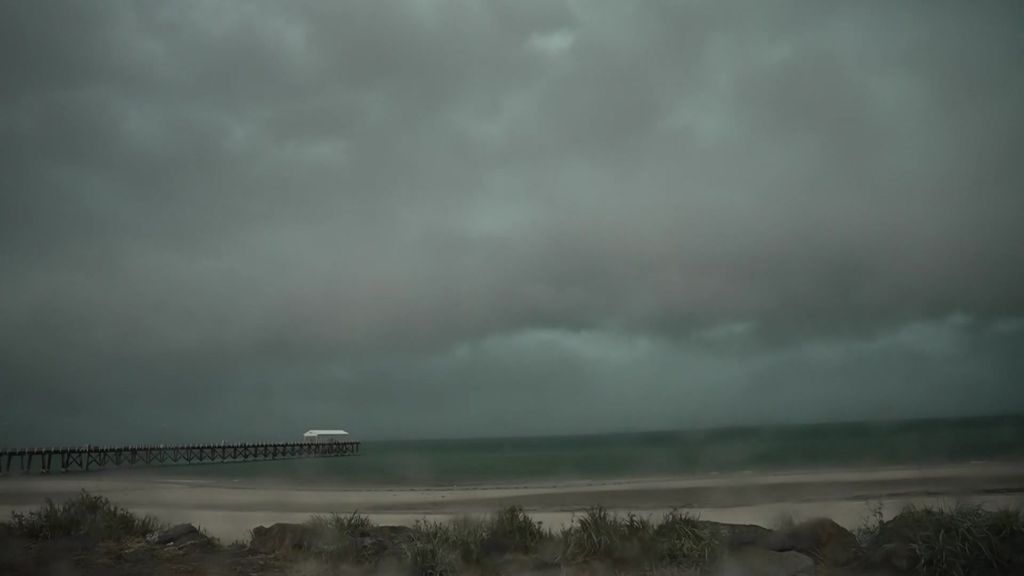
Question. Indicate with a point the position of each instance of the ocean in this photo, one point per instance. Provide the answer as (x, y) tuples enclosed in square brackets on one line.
[(510, 461)]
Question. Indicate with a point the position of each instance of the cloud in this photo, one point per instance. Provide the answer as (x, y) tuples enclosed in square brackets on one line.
[(314, 200)]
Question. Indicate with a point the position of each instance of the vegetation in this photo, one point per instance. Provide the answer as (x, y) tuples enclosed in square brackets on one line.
[(868, 533), (958, 541), (429, 547), (87, 516), (437, 548), (598, 535), (963, 540), (679, 540), (512, 530), (341, 538), (354, 524), (685, 540)]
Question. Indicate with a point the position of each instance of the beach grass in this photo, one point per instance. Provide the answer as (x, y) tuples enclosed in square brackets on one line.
[(679, 539), (961, 540), (86, 516), (437, 547)]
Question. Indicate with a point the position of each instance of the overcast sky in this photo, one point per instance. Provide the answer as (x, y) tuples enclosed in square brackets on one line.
[(240, 220)]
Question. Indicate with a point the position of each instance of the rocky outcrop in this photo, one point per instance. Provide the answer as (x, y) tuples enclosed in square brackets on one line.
[(897, 555), (740, 535), (364, 545), (178, 535), (754, 561), (821, 538), (383, 541), (281, 538)]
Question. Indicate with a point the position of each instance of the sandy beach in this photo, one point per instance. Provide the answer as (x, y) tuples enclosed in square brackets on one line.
[(229, 508)]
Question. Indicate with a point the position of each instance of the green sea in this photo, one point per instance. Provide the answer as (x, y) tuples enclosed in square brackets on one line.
[(508, 461)]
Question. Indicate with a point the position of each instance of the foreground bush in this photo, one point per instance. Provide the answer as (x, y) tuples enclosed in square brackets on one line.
[(679, 540), (85, 516), (685, 540), (438, 548), (343, 538), (354, 524), (427, 547), (512, 530), (960, 541), (598, 535)]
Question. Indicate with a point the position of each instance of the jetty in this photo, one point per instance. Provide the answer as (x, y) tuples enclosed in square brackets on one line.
[(83, 458)]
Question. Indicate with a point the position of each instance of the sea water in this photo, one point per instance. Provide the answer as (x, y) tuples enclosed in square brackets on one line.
[(511, 461)]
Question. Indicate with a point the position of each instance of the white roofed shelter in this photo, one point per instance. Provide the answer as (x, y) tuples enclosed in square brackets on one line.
[(325, 436)]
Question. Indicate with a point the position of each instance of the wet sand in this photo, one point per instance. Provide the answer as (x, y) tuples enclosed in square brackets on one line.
[(229, 508)]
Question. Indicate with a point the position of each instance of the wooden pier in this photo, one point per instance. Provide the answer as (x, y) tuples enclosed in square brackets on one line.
[(46, 460)]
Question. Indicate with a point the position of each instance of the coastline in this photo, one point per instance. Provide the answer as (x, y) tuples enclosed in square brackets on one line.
[(229, 508)]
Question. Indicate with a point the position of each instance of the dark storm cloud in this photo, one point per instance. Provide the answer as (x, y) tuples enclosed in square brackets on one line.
[(449, 218)]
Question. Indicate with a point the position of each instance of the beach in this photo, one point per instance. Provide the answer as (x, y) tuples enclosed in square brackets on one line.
[(229, 508)]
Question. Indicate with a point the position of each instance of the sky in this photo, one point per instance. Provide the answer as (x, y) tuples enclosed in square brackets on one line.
[(236, 220)]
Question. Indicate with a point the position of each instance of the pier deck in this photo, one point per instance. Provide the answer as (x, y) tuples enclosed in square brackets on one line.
[(82, 458)]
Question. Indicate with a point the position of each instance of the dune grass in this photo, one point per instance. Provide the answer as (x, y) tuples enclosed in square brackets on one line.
[(965, 540), (428, 547), (338, 538), (349, 525), (512, 530), (684, 540), (679, 540), (87, 516), (962, 540), (438, 548), (434, 548)]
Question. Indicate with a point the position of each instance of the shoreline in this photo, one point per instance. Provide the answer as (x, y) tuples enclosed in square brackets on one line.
[(156, 474), (229, 508)]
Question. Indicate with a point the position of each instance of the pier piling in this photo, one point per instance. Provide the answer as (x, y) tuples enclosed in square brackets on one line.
[(94, 457)]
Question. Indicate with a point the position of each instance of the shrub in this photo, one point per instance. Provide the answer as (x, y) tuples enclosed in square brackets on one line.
[(432, 549), (354, 524), (686, 541), (678, 540), (597, 535), (85, 516), (512, 530), (437, 547), (868, 533), (964, 540), (337, 537), (600, 536)]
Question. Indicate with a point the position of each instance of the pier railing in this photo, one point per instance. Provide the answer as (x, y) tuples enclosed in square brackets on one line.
[(46, 460)]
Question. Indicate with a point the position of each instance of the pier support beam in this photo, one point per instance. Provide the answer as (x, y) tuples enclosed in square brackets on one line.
[(90, 457)]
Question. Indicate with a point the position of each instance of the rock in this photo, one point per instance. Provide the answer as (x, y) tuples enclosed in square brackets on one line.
[(895, 554), (740, 535), (752, 561), (820, 538), (386, 540), (281, 538), (369, 544), (179, 534), (905, 526)]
